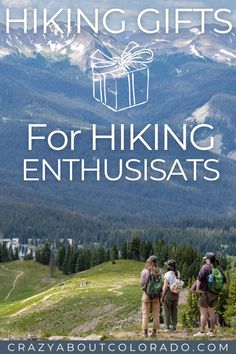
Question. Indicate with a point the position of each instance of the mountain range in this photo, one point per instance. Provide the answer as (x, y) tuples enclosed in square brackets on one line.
[(48, 79), (78, 47)]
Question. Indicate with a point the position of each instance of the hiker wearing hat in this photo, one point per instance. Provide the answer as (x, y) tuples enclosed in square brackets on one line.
[(170, 294), (209, 283), (151, 282)]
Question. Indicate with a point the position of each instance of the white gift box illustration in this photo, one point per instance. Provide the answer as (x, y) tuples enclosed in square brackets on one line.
[(122, 82)]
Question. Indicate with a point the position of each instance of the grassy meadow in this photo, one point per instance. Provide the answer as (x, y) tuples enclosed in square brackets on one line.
[(103, 298), (103, 302)]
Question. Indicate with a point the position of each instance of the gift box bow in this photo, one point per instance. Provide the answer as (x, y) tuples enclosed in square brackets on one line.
[(130, 58)]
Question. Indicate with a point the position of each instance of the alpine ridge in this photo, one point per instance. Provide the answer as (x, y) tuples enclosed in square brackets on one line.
[(77, 47)]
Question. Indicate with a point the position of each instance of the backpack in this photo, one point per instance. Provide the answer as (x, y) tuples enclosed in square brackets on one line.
[(215, 280), (177, 286), (154, 286)]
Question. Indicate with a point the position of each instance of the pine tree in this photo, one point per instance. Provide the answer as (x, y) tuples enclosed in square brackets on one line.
[(222, 305), (101, 255), (73, 261), (129, 251), (60, 256), (146, 249), (135, 248), (65, 265), (80, 266), (184, 320), (16, 254), (46, 252), (30, 255), (161, 251), (190, 314), (108, 255), (87, 258), (39, 254), (94, 258), (52, 264), (224, 262), (114, 253), (124, 250), (4, 253), (11, 253), (230, 313)]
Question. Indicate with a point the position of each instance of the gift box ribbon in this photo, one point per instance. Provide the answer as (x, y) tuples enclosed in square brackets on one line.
[(131, 56)]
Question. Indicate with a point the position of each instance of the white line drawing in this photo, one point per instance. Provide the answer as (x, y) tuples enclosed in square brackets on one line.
[(122, 82)]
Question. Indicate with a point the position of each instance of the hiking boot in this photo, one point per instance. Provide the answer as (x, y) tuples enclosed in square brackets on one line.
[(145, 333), (211, 334), (199, 334), (154, 333)]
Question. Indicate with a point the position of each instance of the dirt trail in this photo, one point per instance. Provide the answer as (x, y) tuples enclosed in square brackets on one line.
[(115, 290), (161, 334), (180, 334), (40, 301), (20, 273)]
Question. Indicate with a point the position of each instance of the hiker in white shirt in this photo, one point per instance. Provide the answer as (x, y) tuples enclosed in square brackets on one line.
[(170, 295)]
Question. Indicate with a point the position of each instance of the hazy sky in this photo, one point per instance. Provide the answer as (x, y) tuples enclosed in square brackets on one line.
[(132, 7), (128, 4)]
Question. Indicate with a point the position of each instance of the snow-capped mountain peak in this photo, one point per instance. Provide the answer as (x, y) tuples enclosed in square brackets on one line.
[(78, 47)]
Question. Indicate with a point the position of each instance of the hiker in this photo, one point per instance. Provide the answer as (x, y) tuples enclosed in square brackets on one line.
[(151, 282), (208, 285), (170, 295)]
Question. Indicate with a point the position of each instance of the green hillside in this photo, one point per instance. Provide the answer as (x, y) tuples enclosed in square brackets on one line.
[(103, 302), (92, 302), (32, 279)]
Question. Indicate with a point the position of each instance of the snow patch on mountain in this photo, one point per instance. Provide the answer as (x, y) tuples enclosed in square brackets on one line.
[(194, 51), (162, 40), (226, 52), (221, 58), (179, 72), (78, 56), (182, 43), (196, 31), (201, 113), (232, 155), (218, 143), (38, 47), (4, 52), (78, 47), (55, 47)]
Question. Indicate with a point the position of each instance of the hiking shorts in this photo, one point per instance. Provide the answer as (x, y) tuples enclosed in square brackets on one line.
[(208, 299), (146, 298)]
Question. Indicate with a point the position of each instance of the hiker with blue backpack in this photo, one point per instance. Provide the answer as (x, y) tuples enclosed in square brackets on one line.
[(151, 282), (210, 281), (170, 295)]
